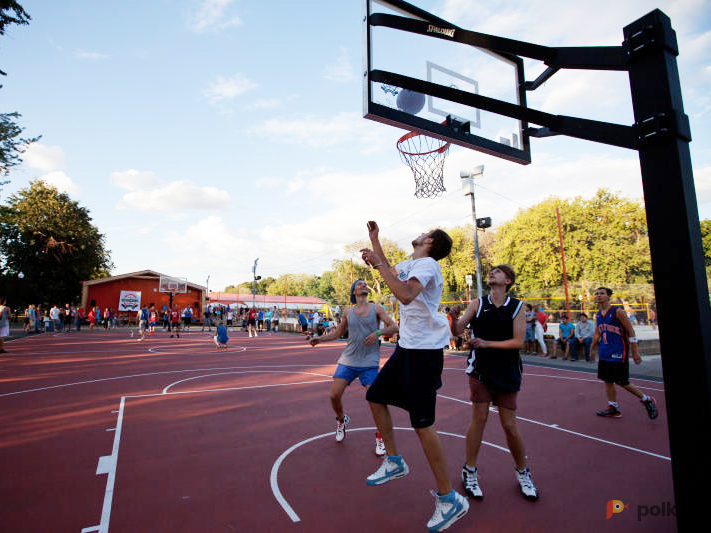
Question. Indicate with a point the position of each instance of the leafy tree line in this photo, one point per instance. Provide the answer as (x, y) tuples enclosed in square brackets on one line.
[(605, 242), (48, 245)]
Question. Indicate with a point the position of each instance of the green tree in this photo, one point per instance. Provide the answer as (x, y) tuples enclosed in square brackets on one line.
[(706, 243), (11, 144), (604, 238), (49, 238)]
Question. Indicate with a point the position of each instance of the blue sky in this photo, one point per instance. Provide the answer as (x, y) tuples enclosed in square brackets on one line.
[(202, 134)]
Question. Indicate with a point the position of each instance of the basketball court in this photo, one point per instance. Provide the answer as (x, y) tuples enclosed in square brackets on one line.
[(104, 433)]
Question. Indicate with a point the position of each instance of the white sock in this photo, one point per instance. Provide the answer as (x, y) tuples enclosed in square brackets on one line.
[(613, 404), (645, 398)]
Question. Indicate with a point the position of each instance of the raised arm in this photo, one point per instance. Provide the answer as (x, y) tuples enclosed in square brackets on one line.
[(373, 234), (459, 326), (335, 333)]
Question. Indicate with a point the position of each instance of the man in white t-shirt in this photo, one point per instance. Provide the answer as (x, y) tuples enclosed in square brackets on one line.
[(412, 375)]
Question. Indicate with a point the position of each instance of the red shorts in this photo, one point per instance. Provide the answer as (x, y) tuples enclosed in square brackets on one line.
[(480, 393)]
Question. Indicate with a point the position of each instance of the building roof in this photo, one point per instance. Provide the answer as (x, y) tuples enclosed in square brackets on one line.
[(266, 300), (144, 274)]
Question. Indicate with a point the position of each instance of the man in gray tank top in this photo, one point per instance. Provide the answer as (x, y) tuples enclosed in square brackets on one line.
[(361, 358)]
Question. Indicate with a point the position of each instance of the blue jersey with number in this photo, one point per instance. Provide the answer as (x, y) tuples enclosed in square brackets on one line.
[(613, 337)]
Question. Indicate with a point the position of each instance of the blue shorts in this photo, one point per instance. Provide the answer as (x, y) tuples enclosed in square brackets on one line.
[(530, 334), (366, 374)]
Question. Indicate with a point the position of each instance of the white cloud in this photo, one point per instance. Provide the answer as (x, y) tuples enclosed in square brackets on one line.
[(90, 55), (135, 179), (265, 103), (176, 196), (61, 182), (341, 70), (344, 127), (227, 89), (44, 157), (213, 15)]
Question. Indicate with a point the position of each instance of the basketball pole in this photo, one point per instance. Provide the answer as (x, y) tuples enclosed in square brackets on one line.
[(677, 257)]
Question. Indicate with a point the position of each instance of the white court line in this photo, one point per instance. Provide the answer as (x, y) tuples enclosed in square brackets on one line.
[(275, 467), (556, 427), (165, 390), (107, 465), (590, 380), (144, 375), (224, 389), (168, 349)]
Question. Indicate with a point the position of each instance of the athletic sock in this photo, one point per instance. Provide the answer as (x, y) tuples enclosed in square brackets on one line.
[(613, 404), (645, 398), (471, 469)]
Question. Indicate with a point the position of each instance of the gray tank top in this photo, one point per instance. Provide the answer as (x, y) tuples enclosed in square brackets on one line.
[(357, 353)]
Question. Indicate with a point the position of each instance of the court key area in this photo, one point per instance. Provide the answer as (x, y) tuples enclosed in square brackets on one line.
[(101, 432)]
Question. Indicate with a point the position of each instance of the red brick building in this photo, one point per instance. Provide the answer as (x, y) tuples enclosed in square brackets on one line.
[(105, 292)]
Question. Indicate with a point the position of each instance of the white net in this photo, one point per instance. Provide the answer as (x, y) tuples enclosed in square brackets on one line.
[(425, 156)]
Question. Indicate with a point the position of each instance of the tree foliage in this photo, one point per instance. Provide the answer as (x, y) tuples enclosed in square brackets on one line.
[(11, 144), (604, 238), (49, 238)]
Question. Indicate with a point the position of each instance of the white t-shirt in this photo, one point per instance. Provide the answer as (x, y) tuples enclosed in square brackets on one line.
[(422, 326)]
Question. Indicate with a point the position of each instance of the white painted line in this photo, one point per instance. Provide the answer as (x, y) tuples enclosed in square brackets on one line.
[(89, 529), (39, 389), (527, 374), (273, 481), (165, 390), (107, 465), (111, 429), (229, 389), (556, 427)]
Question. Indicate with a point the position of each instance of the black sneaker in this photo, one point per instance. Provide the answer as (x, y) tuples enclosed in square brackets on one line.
[(470, 482), (610, 412), (651, 407)]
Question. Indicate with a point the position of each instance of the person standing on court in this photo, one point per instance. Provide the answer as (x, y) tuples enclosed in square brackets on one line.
[(252, 322), (541, 326), (361, 358), (494, 366), (4, 323), (616, 338), (412, 375)]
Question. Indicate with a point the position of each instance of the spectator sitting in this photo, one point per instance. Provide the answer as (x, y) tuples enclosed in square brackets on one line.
[(566, 332), (584, 331)]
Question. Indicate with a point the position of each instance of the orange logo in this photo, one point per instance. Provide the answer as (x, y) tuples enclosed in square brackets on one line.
[(614, 507)]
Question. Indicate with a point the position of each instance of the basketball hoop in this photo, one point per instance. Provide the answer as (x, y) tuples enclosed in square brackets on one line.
[(425, 156)]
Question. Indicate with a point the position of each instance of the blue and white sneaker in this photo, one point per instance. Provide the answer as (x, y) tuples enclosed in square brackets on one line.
[(393, 467), (448, 509)]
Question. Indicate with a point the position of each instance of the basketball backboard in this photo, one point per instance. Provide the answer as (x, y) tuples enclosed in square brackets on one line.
[(172, 284), (418, 75)]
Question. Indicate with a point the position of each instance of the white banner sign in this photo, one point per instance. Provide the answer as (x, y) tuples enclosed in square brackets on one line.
[(129, 301)]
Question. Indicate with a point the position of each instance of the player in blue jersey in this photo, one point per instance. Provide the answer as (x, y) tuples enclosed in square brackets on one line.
[(616, 338)]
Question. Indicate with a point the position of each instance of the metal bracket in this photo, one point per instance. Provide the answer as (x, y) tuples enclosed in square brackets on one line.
[(540, 132), (649, 38), (663, 125)]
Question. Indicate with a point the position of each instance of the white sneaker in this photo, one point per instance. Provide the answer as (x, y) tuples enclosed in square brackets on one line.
[(341, 428), (470, 481), (526, 482), (448, 509), (379, 445), (393, 467), (250, 335)]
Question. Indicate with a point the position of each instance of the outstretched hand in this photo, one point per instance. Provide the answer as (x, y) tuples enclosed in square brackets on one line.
[(370, 257), (373, 230)]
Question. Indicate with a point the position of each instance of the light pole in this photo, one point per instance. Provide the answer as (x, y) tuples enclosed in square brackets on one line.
[(254, 280), (467, 177)]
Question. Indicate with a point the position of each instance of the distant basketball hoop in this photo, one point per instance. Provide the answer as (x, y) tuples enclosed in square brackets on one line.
[(173, 285)]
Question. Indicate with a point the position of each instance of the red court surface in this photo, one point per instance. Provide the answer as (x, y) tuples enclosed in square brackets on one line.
[(100, 432)]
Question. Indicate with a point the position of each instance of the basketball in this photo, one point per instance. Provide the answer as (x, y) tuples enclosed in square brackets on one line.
[(410, 101)]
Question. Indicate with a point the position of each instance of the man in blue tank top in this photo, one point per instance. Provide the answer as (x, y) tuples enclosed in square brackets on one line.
[(498, 331), (361, 358), (616, 338)]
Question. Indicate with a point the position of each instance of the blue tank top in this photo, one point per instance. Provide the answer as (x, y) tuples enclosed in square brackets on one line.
[(613, 338)]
